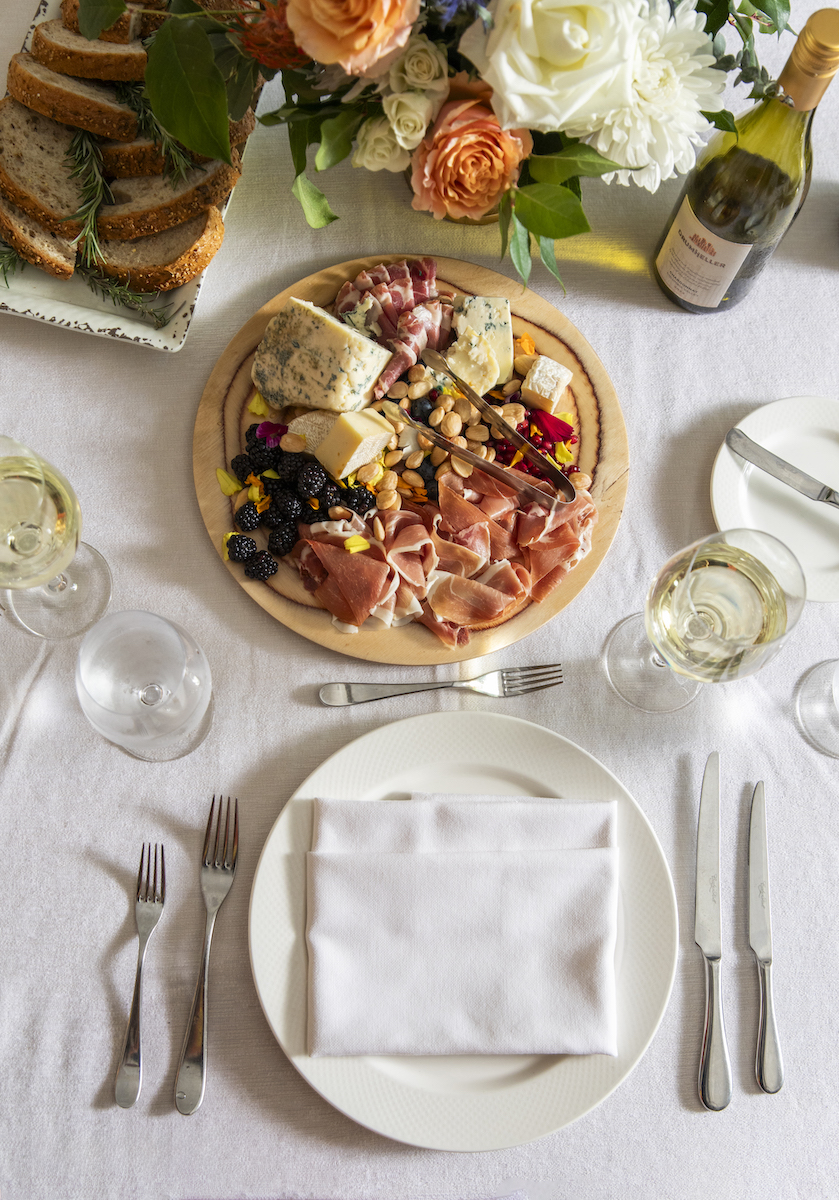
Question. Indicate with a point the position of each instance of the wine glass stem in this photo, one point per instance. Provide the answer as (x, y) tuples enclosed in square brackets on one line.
[(60, 584)]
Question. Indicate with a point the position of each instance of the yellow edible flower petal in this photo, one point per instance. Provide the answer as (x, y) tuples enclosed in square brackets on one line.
[(355, 543), (228, 483), (568, 418), (259, 407), (562, 453), (517, 457), (224, 542), (255, 493)]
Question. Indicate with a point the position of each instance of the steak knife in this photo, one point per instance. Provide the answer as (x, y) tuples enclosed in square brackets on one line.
[(714, 1064), (769, 1066), (743, 445)]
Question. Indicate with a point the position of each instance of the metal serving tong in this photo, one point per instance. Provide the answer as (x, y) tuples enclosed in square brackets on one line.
[(561, 482)]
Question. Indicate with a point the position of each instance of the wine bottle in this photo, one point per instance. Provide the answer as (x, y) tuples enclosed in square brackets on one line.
[(747, 188)]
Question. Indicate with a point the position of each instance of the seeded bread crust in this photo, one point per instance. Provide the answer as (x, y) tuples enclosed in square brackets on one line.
[(33, 175), (34, 243), (69, 53), (150, 204), (165, 260), (125, 160), (77, 102), (133, 23)]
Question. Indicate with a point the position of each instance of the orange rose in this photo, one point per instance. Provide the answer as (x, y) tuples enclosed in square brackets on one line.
[(355, 33), (467, 162)]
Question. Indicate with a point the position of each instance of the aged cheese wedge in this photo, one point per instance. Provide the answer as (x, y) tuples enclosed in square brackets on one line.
[(355, 438), (545, 384), (313, 426), (490, 317), (307, 357), (472, 358)]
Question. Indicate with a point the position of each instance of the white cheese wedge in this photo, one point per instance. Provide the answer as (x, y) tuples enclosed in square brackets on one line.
[(357, 318), (307, 357), (355, 439), (490, 316), (545, 384), (473, 359), (313, 426)]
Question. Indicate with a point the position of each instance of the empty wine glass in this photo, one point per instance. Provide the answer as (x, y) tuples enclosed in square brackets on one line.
[(718, 610), (817, 707), (144, 683), (53, 585)]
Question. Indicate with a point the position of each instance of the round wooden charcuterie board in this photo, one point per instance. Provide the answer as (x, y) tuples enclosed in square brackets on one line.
[(223, 417)]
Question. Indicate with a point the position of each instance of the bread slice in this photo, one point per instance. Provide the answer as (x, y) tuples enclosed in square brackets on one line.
[(79, 102), (150, 204), (125, 160), (34, 244), (133, 24), (33, 174), (165, 260), (69, 53)]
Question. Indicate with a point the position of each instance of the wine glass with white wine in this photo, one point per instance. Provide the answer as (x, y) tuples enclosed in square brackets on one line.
[(718, 610), (52, 584)]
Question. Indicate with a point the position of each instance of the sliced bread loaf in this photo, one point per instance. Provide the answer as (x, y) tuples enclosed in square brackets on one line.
[(34, 244), (124, 160), (150, 204), (69, 53), (33, 172), (165, 260), (78, 102), (134, 22)]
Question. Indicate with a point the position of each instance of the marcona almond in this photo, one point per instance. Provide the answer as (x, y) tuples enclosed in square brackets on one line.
[(414, 460), (416, 372), (477, 433), (367, 473), (393, 456), (378, 529), (292, 442), (438, 456), (393, 444), (405, 403), (435, 416), (511, 387), (422, 388), (398, 391), (447, 403), (442, 470), (388, 499), (464, 469), (413, 479), (387, 482), (490, 453), (451, 425), (339, 513), (460, 441), (474, 416), (423, 442), (580, 480), (462, 407), (514, 414), (481, 450)]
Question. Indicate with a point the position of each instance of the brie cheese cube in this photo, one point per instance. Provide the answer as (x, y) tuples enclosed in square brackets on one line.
[(307, 357), (490, 316), (355, 439), (545, 384), (473, 359)]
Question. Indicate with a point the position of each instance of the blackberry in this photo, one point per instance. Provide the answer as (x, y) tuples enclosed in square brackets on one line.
[(261, 457), (272, 518), (247, 518), (288, 464), (240, 548), (261, 566), (427, 469), (358, 499), (421, 408), (271, 486), (242, 467), (283, 539), (329, 496), (433, 491), (288, 504), (251, 435), (311, 480)]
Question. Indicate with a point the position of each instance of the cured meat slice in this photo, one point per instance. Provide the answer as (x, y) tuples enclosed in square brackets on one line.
[(457, 559), (424, 277), (389, 318), (401, 286), (360, 578), (465, 601), (403, 358), (475, 538), (512, 579), (450, 635), (536, 523)]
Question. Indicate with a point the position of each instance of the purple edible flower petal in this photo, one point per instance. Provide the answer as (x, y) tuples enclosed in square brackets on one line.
[(271, 432)]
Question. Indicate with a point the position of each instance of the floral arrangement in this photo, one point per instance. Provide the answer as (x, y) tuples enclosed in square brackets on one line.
[(497, 108)]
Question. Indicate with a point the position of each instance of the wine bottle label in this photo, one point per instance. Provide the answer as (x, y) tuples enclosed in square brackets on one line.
[(695, 263)]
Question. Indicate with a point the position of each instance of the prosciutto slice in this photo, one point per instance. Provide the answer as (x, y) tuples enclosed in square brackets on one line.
[(465, 601), (360, 580)]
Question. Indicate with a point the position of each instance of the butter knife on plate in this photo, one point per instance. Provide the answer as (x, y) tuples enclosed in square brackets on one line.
[(714, 1064), (743, 445), (769, 1066)]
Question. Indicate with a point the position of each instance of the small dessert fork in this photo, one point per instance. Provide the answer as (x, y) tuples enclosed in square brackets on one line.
[(218, 868), (148, 910), (511, 681)]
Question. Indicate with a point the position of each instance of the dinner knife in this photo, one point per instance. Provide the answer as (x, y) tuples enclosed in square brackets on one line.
[(769, 1065), (714, 1064), (743, 445)]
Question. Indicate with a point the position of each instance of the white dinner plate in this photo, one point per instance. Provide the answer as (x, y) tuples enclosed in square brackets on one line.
[(804, 430), (465, 1102)]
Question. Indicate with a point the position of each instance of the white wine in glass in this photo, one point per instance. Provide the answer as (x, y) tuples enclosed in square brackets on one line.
[(718, 610), (53, 585)]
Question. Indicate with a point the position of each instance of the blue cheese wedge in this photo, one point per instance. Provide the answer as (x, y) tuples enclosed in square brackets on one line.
[(357, 318), (355, 439), (545, 384), (490, 317), (309, 358), (473, 359)]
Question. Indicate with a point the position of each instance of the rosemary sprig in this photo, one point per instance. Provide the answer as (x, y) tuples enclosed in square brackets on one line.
[(85, 157), (176, 161), (120, 294), (10, 261)]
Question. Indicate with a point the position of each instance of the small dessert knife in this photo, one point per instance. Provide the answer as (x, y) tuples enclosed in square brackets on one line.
[(769, 1066), (743, 445)]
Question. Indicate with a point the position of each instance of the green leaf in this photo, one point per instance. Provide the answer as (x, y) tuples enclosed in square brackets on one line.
[(186, 89), (299, 138), (240, 87), (550, 211), (716, 14), (721, 120), (336, 138), (96, 15), (185, 6), (778, 13), (520, 246), (547, 250), (280, 116), (313, 202), (505, 209), (572, 161)]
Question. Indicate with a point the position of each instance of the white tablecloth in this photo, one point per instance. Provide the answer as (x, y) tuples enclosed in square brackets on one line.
[(118, 420)]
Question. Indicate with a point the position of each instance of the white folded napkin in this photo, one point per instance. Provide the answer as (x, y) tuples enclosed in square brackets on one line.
[(454, 944)]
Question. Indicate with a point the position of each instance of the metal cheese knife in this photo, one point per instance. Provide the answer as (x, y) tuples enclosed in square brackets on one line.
[(714, 1065), (769, 1066), (743, 445)]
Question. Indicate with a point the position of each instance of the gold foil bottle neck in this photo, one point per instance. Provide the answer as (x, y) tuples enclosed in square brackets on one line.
[(814, 60)]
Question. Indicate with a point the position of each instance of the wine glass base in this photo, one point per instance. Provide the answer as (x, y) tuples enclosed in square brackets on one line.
[(816, 711), (639, 675), (68, 605), (173, 749)]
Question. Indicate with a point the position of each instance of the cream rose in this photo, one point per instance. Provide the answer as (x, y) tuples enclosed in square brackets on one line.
[(358, 34), (409, 114), (377, 148), (422, 67)]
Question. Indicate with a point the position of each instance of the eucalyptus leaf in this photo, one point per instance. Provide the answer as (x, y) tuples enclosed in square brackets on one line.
[(336, 138), (721, 120), (186, 89), (550, 211), (547, 250), (96, 15), (520, 246), (572, 161), (313, 202), (505, 209)]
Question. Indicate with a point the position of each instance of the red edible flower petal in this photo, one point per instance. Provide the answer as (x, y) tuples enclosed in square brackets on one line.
[(557, 430)]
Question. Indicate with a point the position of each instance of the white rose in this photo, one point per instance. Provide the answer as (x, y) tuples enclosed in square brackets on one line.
[(409, 114), (378, 149), (423, 67)]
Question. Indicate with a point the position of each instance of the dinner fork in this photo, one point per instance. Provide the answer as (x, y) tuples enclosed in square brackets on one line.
[(148, 909), (510, 681), (218, 868)]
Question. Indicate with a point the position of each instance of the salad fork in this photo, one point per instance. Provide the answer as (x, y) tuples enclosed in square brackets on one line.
[(218, 868), (148, 909), (510, 681)]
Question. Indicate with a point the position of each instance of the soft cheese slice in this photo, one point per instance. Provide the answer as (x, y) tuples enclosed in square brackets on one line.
[(490, 316), (355, 439), (307, 357), (313, 426), (357, 318), (545, 384), (473, 359)]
